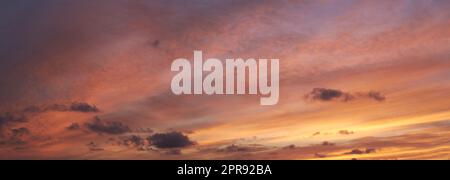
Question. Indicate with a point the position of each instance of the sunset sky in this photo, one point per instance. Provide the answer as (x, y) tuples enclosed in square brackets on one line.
[(90, 79)]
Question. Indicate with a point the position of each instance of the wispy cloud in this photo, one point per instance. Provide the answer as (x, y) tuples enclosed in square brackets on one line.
[(324, 94)]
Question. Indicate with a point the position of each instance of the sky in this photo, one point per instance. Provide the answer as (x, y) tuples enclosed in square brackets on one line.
[(90, 79)]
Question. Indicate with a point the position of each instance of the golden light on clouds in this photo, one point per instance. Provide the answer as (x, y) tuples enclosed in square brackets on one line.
[(358, 79)]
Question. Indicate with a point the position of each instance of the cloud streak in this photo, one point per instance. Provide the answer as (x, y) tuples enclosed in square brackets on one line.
[(75, 107), (325, 94)]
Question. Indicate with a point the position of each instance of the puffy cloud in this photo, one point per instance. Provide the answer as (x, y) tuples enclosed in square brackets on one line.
[(107, 127), (170, 140)]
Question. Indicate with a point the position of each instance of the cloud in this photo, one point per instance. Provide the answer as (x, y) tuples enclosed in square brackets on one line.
[(17, 136), (376, 96), (73, 126), (22, 115), (75, 107), (319, 155), (135, 141), (144, 130), (156, 43), (324, 94), (20, 132), (170, 140), (42, 109), (83, 107), (94, 146), (292, 146), (95, 59), (233, 148), (364, 151), (173, 152), (326, 143), (346, 132), (107, 127), (9, 118)]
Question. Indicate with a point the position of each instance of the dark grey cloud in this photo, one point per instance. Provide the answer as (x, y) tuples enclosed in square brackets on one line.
[(107, 127), (75, 107), (363, 151), (170, 140), (83, 107), (135, 141), (325, 94)]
